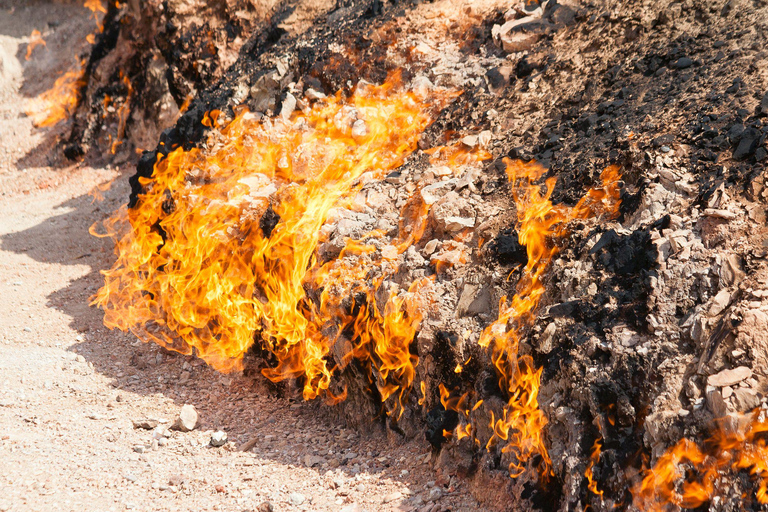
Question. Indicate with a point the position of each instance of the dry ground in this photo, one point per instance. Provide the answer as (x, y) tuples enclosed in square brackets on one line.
[(70, 390)]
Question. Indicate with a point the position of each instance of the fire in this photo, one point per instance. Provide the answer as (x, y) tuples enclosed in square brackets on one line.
[(688, 475), (35, 40), (198, 272), (593, 459), (60, 101), (521, 425)]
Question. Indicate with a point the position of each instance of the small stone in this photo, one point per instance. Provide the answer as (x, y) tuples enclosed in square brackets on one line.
[(312, 94), (288, 106), (431, 247), (720, 302), (715, 402), (146, 424), (130, 477), (746, 399), (354, 507), (470, 141), (393, 496), (683, 62), (313, 460), (727, 392), (218, 438), (436, 493), (729, 377), (265, 506), (296, 499), (187, 420), (139, 448)]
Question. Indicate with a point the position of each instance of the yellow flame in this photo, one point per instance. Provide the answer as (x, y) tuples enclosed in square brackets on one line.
[(522, 423), (196, 273)]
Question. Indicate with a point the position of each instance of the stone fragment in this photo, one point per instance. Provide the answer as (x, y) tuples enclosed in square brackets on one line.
[(431, 246), (353, 507), (746, 399), (715, 402), (218, 438), (393, 496), (288, 106), (683, 62), (313, 460), (146, 424), (729, 377), (296, 498), (720, 302), (187, 419), (470, 141), (474, 300)]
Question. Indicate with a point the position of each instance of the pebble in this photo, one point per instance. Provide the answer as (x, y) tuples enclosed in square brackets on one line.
[(146, 424), (683, 62), (296, 499), (354, 507), (218, 438)]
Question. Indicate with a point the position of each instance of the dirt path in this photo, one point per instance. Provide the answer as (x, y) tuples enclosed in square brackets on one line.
[(70, 391)]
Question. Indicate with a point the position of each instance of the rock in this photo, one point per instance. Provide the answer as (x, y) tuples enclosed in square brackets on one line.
[(764, 103), (474, 300), (176, 479), (432, 193), (748, 143), (265, 506), (354, 507), (715, 402), (729, 377), (312, 94), (296, 499), (683, 62), (454, 224), (746, 399), (727, 391), (431, 247), (313, 460), (289, 105), (393, 496), (218, 438), (187, 420), (731, 272), (146, 424), (720, 302), (139, 448), (470, 141), (436, 493)]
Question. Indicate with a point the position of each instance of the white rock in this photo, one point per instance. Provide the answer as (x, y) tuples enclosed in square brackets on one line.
[(296, 499), (218, 438), (187, 420)]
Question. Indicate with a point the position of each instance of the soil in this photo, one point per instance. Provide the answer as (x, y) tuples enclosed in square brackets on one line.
[(74, 396)]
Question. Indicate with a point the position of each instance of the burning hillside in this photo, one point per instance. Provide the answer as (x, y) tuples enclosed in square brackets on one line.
[(533, 234)]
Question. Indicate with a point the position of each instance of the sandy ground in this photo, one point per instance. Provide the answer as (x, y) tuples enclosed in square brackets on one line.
[(70, 390)]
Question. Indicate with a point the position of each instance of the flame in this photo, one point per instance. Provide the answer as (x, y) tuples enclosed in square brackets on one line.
[(742, 448), (594, 459), (196, 273), (35, 40), (521, 425), (60, 101)]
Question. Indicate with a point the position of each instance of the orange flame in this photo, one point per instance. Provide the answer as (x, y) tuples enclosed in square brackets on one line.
[(59, 102), (35, 40), (593, 459), (743, 448), (522, 423), (196, 273)]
